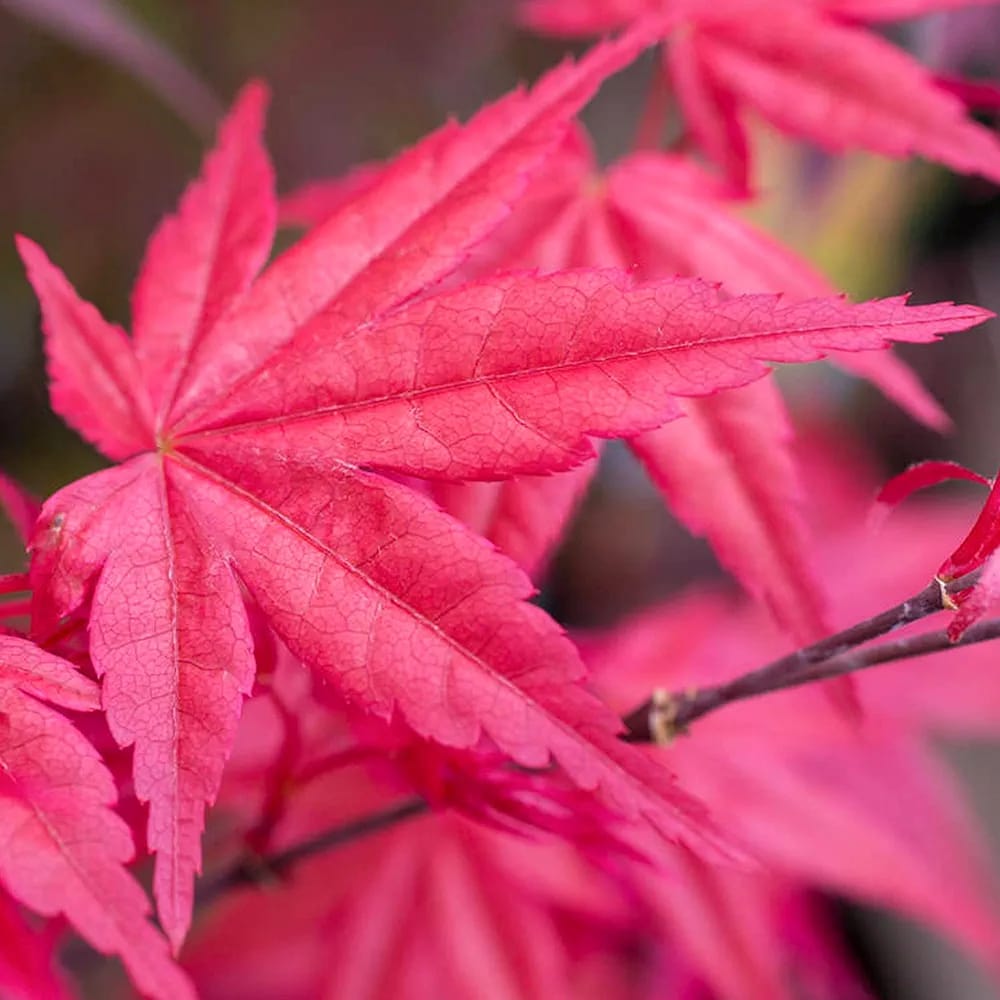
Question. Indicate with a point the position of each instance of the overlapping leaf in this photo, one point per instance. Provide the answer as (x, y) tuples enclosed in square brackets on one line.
[(62, 849), (663, 215), (824, 803), (571, 905), (802, 66), (248, 422), (152, 544)]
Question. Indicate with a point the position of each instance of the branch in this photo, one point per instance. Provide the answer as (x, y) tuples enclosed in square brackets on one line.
[(258, 870), (666, 715)]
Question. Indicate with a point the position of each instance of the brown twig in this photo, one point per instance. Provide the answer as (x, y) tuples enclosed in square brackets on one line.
[(665, 715)]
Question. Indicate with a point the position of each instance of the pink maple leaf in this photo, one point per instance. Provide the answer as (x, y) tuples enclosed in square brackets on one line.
[(253, 417), (570, 901), (805, 67), (62, 849), (726, 470)]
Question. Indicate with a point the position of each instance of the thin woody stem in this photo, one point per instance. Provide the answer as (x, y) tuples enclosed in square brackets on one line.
[(680, 710), (664, 714), (898, 649), (263, 870)]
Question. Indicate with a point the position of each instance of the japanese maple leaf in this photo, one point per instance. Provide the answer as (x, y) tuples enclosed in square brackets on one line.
[(413, 913), (567, 905), (62, 849), (247, 413), (435, 924), (398, 894), (561, 928), (803, 66), (681, 923), (726, 469)]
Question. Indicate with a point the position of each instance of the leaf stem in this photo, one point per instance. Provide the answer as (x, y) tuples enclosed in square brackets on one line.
[(261, 870)]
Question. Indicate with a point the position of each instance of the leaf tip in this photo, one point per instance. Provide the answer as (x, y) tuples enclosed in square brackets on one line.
[(253, 98), (29, 251)]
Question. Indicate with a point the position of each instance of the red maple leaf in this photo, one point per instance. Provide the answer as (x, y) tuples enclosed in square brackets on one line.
[(62, 849), (427, 920), (825, 805), (254, 417), (805, 67), (726, 470)]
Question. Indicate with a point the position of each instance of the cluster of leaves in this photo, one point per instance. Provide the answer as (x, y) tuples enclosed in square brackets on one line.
[(334, 479)]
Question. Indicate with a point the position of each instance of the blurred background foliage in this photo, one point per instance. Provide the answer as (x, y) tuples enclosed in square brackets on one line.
[(105, 109)]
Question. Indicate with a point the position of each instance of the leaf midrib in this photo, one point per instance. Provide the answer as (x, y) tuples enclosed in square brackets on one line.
[(609, 764), (458, 385)]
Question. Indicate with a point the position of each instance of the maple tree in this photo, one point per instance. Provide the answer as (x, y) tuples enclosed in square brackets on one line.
[(335, 475)]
